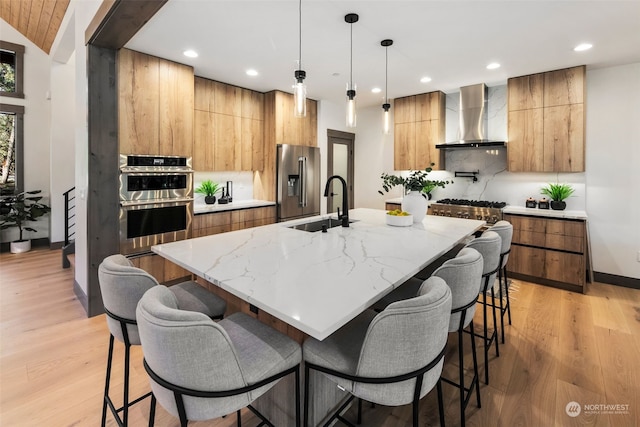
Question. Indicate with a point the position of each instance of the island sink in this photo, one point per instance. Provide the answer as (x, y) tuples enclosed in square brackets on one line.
[(319, 225)]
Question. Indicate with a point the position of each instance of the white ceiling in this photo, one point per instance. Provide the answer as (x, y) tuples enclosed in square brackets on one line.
[(449, 41)]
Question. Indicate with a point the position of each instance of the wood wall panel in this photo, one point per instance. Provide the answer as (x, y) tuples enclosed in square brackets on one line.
[(404, 146), (404, 109), (226, 132), (138, 102), (526, 140), (204, 149), (176, 98), (564, 138), (563, 87), (525, 92), (203, 94)]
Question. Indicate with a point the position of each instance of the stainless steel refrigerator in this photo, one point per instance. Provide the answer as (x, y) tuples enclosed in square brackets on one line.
[(297, 181)]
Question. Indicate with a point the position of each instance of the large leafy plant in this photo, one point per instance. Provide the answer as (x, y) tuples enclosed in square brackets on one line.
[(416, 181), (557, 192), (19, 210)]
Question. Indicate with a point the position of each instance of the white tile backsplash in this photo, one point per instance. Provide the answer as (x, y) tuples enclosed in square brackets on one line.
[(242, 183)]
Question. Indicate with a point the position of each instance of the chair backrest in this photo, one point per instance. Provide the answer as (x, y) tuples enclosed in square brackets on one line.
[(403, 338), (188, 349), (462, 275), (488, 244), (122, 285), (505, 231)]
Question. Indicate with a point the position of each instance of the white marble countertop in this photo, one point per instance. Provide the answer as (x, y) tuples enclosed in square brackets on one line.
[(317, 282), (550, 213), (200, 207)]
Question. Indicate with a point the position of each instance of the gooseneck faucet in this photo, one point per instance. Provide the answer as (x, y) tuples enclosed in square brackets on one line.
[(345, 200)]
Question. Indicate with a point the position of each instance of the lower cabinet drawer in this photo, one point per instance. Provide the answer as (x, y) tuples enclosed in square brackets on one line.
[(547, 264)]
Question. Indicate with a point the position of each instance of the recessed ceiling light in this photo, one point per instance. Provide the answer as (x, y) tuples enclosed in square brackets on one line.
[(583, 46), (252, 73), (425, 79), (190, 53), (493, 66), (376, 90)]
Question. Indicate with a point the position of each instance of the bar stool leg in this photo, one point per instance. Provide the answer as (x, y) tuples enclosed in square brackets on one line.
[(107, 382), (475, 364)]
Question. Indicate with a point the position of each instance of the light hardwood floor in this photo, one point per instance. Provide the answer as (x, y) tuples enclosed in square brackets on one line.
[(562, 347)]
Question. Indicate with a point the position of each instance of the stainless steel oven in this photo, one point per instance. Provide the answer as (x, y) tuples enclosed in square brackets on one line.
[(156, 201)]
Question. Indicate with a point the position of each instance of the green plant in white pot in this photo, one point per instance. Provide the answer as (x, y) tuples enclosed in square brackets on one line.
[(417, 188), (209, 189), (558, 193), (18, 211)]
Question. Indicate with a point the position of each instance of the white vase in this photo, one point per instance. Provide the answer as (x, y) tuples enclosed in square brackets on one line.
[(416, 204), (20, 246)]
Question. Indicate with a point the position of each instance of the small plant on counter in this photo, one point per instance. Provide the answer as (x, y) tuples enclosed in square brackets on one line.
[(557, 193), (416, 181), (209, 189)]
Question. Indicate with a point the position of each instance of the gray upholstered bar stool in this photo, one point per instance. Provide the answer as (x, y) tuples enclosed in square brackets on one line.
[(463, 275), (488, 244), (505, 231), (201, 370), (391, 358), (122, 285)]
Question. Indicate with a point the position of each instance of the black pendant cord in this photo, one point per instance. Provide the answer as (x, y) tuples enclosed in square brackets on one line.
[(300, 35), (351, 59), (386, 75)]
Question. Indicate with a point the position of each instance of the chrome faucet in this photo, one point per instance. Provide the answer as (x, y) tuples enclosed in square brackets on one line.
[(345, 201)]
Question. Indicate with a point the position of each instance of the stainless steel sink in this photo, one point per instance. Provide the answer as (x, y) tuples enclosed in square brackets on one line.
[(318, 225)]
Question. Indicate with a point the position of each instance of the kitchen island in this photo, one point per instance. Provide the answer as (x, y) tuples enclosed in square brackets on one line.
[(317, 282), (314, 283)]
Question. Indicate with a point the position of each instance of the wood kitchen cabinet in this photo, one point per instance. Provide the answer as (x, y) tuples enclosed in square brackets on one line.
[(228, 127), (419, 125), (546, 121), (163, 270), (206, 224), (155, 102), (281, 127), (551, 251)]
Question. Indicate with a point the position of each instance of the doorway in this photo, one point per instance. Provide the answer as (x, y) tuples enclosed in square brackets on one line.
[(340, 161)]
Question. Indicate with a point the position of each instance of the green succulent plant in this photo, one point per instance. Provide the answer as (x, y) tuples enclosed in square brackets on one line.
[(557, 192), (208, 188)]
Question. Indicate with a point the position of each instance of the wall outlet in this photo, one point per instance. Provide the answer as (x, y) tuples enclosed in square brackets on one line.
[(638, 259)]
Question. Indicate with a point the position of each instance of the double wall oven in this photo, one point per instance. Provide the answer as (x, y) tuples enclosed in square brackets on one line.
[(156, 201)]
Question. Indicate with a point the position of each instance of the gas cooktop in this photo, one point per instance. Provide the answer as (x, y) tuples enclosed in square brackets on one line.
[(474, 203)]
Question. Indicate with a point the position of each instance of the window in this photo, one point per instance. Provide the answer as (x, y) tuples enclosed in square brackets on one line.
[(11, 140), (11, 69)]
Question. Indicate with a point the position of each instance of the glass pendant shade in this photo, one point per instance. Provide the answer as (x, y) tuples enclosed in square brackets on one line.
[(351, 108), (300, 95), (386, 118)]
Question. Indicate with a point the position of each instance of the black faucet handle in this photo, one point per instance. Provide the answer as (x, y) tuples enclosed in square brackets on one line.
[(339, 216)]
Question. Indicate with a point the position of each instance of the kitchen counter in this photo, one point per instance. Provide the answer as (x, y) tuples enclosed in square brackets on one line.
[(199, 207), (550, 213), (317, 282)]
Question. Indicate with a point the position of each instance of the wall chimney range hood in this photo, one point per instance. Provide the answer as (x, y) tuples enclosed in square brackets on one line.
[(473, 120)]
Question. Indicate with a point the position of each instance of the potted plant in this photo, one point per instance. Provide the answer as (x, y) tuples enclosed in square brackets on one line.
[(417, 188), (17, 211), (557, 193), (209, 189)]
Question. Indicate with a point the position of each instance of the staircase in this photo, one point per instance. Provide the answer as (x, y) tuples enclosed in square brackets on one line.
[(69, 247)]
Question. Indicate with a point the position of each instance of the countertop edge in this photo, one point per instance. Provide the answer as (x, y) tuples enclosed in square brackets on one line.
[(199, 208), (547, 213)]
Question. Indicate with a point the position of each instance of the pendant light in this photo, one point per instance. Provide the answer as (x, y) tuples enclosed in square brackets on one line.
[(350, 18), (386, 106), (299, 88)]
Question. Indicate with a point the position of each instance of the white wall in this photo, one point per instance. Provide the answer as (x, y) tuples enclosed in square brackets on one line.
[(613, 168), (36, 126), (62, 163)]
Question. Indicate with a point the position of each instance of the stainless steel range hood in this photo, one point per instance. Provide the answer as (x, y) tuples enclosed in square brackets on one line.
[(473, 120)]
